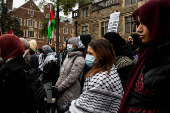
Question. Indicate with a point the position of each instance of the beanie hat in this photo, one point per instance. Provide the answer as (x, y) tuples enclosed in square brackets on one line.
[(76, 42), (33, 45), (25, 42)]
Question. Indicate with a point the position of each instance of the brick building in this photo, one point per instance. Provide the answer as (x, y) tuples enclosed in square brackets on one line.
[(31, 18), (93, 17)]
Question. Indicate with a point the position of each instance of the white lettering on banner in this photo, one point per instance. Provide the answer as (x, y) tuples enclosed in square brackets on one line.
[(113, 22)]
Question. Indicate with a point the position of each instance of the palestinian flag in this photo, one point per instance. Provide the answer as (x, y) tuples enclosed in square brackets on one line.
[(51, 24), (11, 31)]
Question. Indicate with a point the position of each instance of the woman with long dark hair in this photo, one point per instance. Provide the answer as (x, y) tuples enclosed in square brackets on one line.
[(147, 88), (102, 91), (124, 56)]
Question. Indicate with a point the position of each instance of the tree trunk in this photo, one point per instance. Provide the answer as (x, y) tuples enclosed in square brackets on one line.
[(57, 30)]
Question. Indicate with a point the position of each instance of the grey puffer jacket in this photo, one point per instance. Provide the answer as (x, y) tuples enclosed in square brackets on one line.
[(68, 83)]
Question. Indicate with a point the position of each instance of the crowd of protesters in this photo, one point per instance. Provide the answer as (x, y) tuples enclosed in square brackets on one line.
[(107, 75)]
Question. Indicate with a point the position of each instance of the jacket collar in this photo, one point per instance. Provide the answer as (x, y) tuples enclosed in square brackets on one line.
[(73, 53), (13, 64)]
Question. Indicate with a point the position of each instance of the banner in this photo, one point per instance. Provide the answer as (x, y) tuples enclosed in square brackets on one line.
[(113, 22)]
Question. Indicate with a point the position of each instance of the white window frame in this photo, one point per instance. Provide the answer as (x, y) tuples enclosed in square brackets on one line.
[(39, 36), (130, 24), (85, 29), (33, 21), (29, 34), (105, 26), (32, 13), (86, 12), (40, 25), (21, 21), (64, 30), (130, 3)]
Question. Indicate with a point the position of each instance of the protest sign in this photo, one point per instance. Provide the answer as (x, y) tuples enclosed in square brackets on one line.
[(113, 22)]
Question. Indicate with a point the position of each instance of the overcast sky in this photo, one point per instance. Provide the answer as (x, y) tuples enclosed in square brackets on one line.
[(18, 3)]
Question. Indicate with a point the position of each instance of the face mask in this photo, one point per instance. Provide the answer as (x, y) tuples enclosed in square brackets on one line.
[(89, 60), (129, 42), (69, 47)]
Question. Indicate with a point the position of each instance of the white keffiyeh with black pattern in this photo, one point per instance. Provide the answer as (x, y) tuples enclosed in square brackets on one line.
[(102, 93)]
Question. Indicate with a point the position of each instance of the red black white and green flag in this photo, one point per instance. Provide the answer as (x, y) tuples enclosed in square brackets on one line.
[(51, 24)]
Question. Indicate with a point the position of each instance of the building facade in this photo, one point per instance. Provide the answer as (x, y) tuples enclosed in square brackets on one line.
[(31, 19), (93, 17)]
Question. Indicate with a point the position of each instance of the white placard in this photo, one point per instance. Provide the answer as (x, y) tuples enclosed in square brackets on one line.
[(113, 22)]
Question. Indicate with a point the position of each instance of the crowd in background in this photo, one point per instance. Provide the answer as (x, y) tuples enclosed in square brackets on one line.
[(107, 75)]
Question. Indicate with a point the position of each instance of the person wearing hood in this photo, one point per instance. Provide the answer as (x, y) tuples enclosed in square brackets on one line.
[(68, 83), (147, 88), (102, 91), (48, 64), (12, 77), (48, 68), (133, 42), (86, 39), (124, 56)]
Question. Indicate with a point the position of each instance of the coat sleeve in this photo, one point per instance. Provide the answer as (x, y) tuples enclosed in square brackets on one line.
[(59, 80), (76, 70)]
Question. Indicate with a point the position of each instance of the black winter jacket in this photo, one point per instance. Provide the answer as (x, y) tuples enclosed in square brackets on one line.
[(12, 85), (157, 81)]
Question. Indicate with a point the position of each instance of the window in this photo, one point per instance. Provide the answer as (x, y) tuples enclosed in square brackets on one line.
[(33, 24), (31, 4), (64, 38), (40, 35), (85, 30), (30, 33), (25, 22), (85, 12), (130, 25), (31, 13), (65, 30), (104, 27), (40, 25), (128, 2), (19, 21), (70, 31), (30, 23), (25, 33)]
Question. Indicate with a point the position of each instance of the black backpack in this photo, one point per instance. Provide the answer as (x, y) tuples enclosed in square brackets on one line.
[(35, 97)]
